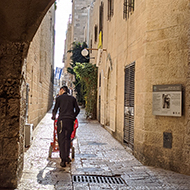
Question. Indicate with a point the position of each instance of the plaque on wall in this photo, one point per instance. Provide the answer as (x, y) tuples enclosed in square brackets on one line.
[(167, 100)]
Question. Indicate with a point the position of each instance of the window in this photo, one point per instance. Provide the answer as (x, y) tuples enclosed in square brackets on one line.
[(101, 13), (128, 6), (100, 80), (95, 33), (110, 8), (101, 17)]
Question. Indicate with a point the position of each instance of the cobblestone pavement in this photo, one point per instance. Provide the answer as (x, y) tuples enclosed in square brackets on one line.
[(97, 153)]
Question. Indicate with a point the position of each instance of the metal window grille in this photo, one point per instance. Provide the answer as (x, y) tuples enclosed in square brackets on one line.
[(129, 105), (110, 9), (128, 6)]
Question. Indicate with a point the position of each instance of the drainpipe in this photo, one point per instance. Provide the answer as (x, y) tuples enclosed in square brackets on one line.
[(28, 127), (27, 93)]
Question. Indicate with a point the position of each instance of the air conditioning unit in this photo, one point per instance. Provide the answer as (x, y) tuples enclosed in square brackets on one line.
[(28, 134)]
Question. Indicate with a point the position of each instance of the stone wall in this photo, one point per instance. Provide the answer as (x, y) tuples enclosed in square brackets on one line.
[(18, 28), (15, 74), (12, 112), (79, 19), (40, 67), (155, 37), (165, 62), (67, 78)]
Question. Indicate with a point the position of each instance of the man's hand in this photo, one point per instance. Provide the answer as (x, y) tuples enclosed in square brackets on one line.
[(53, 118)]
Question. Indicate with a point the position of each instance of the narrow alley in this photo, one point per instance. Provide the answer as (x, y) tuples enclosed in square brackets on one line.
[(98, 156)]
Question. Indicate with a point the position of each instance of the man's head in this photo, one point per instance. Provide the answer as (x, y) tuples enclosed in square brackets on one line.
[(63, 89)]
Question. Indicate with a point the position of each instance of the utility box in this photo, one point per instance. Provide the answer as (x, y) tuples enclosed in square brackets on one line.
[(28, 134), (167, 140)]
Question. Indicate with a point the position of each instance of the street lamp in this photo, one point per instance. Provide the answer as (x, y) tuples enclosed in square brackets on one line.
[(84, 52)]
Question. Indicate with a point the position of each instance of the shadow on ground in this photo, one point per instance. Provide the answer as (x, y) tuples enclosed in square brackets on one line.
[(54, 174)]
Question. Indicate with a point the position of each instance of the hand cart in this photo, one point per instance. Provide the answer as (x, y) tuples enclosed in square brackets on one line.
[(54, 147)]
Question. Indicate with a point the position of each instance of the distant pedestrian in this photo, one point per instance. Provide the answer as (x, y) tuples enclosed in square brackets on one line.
[(71, 91), (68, 111)]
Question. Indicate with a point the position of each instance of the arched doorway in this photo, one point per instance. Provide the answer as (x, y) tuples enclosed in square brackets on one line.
[(99, 99), (107, 107)]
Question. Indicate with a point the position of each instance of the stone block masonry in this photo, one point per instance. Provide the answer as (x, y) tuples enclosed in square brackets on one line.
[(155, 36), (39, 68), (11, 133)]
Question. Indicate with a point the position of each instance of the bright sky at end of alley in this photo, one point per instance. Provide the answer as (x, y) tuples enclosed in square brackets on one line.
[(64, 8)]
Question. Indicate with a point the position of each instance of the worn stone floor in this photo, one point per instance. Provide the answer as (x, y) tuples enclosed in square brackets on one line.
[(97, 154)]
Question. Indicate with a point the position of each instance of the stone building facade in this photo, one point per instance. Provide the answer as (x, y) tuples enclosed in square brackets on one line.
[(67, 78), (145, 43), (39, 69), (75, 33), (79, 18)]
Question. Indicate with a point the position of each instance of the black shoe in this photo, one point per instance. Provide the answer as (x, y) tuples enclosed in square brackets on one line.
[(63, 164), (68, 160)]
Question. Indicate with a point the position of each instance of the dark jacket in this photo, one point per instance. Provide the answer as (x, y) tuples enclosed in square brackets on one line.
[(68, 107)]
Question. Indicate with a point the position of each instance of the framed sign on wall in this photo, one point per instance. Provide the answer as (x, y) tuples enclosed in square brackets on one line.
[(167, 100)]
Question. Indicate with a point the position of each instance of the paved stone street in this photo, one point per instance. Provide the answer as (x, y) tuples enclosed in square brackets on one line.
[(97, 154)]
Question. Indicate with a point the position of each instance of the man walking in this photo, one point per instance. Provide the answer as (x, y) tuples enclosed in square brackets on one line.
[(68, 111)]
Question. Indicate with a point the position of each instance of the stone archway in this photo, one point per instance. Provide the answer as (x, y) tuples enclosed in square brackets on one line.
[(19, 20), (108, 89)]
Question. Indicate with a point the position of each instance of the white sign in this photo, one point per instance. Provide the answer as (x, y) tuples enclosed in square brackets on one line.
[(99, 57), (167, 100)]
